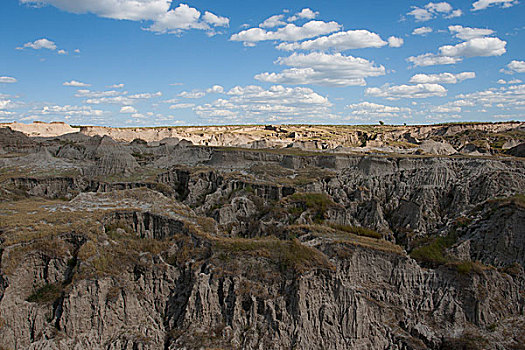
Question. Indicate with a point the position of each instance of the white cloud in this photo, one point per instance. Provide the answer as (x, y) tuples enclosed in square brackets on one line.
[(442, 78), (7, 80), (128, 109), (75, 83), (273, 21), (117, 100), (76, 51), (214, 20), (255, 104), (96, 94), (4, 103), (407, 91), (454, 14), (145, 95), (290, 32), (182, 105), (62, 52), (483, 4), (215, 89), (422, 31), (475, 47), (323, 69), (466, 33), (514, 67), (445, 109), (451, 54), (511, 97), (430, 59), (192, 94), (116, 86), (305, 13), (68, 110), (114, 97), (432, 10), (165, 19), (352, 39), (39, 44), (514, 81), (369, 109), (395, 42)]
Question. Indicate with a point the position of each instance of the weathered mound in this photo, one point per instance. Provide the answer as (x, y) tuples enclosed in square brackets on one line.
[(517, 151), (434, 147), (13, 140), (109, 156)]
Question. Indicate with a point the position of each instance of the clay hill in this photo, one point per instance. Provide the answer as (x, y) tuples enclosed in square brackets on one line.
[(262, 237)]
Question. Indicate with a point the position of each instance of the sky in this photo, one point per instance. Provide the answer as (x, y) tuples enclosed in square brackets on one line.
[(160, 62)]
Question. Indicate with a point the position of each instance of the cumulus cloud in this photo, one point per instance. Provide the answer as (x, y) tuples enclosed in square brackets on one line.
[(483, 4), (75, 83), (214, 20), (39, 44), (7, 80), (145, 95), (114, 97), (475, 47), (445, 109), (165, 19), (305, 13), (182, 105), (128, 109), (215, 89), (323, 69), (96, 94), (466, 33), (514, 67), (192, 94), (511, 97), (407, 91), (432, 10), (68, 110), (422, 31), (62, 52), (442, 78), (116, 86), (374, 110), (430, 59), (451, 54), (352, 39), (255, 104), (4, 103), (273, 21), (513, 81), (395, 42), (290, 32)]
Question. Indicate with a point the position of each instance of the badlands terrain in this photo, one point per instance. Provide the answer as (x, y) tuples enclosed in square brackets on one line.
[(262, 237)]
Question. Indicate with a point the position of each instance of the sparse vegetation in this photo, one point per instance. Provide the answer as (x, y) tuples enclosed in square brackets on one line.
[(46, 294), (286, 254), (433, 253), (358, 230), (317, 203)]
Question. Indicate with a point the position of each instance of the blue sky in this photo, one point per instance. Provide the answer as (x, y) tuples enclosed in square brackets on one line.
[(157, 62)]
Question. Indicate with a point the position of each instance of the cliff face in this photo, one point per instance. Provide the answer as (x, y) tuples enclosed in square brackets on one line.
[(108, 245)]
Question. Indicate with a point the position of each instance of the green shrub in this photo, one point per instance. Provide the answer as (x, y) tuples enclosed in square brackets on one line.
[(358, 230), (464, 267), (46, 294), (318, 203), (434, 252)]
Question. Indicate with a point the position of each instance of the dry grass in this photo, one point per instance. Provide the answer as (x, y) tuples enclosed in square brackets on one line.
[(287, 254), (345, 237)]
